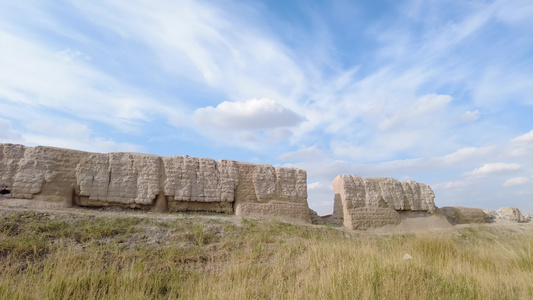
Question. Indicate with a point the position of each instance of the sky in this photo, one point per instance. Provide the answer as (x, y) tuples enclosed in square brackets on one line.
[(440, 92)]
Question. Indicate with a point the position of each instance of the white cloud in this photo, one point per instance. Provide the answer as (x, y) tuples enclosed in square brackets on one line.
[(319, 186), (496, 87), (525, 138), (229, 47), (43, 80), (239, 55), (462, 159), (519, 11), (312, 153), (84, 143), (469, 116), (71, 55), (494, 168), (60, 128), (389, 113), (365, 152), (7, 135), (442, 173), (72, 135), (320, 197), (65, 134), (255, 114), (452, 184), (422, 106), (465, 154), (516, 181)]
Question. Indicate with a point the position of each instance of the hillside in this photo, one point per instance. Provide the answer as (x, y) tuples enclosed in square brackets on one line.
[(86, 254)]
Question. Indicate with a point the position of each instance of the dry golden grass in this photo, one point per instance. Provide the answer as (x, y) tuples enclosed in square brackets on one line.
[(45, 256)]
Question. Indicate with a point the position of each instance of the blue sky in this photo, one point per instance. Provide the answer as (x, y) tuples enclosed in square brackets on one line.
[(440, 92)]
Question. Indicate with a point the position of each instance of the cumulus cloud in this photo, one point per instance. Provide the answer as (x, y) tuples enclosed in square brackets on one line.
[(494, 168), (516, 181), (255, 114)]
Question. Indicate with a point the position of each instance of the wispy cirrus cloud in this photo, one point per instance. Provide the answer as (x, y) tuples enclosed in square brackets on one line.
[(38, 76), (228, 48)]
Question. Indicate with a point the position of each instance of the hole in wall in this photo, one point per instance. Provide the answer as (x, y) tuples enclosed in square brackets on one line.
[(5, 191)]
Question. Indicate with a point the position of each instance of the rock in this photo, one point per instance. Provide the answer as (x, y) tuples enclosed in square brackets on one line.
[(407, 257), (527, 218), (315, 218), (329, 220), (134, 180), (465, 215), (512, 214), (491, 215), (362, 203)]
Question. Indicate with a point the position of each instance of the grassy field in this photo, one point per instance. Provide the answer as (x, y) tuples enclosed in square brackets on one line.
[(49, 256)]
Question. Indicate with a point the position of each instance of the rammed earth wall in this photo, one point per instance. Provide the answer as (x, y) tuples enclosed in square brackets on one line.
[(178, 183), (365, 202)]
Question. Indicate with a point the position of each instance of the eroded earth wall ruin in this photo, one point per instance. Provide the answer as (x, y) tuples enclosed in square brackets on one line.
[(365, 202), (182, 183), (134, 180)]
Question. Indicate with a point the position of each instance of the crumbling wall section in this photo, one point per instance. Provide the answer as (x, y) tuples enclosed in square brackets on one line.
[(45, 173), (464, 215)]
